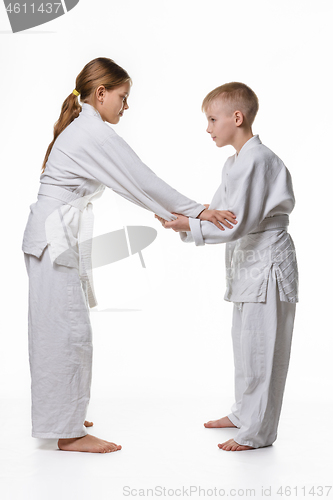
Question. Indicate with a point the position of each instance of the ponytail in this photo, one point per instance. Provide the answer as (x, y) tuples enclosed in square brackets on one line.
[(69, 111)]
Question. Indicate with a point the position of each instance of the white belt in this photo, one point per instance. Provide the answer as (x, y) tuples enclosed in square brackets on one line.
[(86, 224), (280, 221)]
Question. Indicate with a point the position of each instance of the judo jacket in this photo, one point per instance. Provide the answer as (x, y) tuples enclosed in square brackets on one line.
[(87, 157), (257, 187)]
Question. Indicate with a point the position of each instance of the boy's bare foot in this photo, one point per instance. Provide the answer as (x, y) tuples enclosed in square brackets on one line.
[(231, 445), (88, 443), (88, 424), (217, 424)]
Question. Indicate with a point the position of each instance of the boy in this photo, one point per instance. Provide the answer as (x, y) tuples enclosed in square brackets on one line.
[(261, 267)]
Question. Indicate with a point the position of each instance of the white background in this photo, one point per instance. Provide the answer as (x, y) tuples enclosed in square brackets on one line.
[(162, 354)]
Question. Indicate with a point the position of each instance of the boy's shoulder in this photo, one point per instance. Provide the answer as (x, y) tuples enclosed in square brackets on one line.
[(256, 153), (255, 148), (264, 153)]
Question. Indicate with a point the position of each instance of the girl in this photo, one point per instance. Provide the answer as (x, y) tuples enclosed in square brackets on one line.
[(85, 155)]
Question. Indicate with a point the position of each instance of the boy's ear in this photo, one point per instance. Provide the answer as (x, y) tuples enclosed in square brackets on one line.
[(239, 118)]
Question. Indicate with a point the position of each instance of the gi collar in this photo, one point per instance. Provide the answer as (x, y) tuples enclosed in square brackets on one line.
[(251, 143), (88, 109)]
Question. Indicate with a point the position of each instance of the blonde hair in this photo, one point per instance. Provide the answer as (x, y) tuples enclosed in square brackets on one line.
[(100, 71), (238, 96)]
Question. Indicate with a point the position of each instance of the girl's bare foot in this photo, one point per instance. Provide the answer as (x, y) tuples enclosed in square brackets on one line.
[(231, 445), (88, 424), (222, 422), (88, 443)]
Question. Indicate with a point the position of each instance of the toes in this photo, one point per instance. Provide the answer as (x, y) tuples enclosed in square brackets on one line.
[(108, 445), (227, 446), (243, 447), (106, 449), (114, 447), (231, 445), (117, 448)]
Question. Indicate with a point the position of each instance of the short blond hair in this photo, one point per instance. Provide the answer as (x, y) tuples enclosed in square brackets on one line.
[(239, 96)]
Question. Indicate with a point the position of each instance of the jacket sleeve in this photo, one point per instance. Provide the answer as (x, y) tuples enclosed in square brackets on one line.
[(124, 172), (255, 189)]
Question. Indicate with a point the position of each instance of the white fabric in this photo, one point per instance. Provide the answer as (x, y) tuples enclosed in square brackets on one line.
[(262, 335), (256, 186), (60, 349), (69, 232), (87, 155)]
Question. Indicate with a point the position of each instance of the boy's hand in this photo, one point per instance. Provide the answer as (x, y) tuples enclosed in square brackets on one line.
[(218, 217), (180, 224)]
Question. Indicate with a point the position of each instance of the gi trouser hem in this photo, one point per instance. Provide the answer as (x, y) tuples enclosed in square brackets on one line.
[(52, 435)]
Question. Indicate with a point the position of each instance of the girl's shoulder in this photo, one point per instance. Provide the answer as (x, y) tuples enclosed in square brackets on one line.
[(87, 130)]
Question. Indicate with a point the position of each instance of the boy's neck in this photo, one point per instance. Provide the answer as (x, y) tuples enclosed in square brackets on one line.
[(242, 137)]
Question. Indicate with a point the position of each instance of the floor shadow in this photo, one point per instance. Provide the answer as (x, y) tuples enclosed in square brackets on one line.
[(47, 444), (114, 310)]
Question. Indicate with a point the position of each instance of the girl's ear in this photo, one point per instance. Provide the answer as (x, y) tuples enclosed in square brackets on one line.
[(100, 91)]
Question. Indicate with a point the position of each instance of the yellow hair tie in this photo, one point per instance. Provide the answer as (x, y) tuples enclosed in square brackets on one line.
[(75, 92)]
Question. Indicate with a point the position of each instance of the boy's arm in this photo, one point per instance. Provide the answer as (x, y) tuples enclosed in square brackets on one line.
[(222, 218), (255, 189)]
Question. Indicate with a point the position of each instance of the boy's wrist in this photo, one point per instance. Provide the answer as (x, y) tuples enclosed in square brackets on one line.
[(198, 216)]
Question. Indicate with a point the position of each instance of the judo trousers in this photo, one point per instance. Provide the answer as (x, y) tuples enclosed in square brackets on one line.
[(60, 349), (261, 335)]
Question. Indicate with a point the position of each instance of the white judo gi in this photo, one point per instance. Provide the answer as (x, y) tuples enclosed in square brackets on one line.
[(86, 157), (262, 281)]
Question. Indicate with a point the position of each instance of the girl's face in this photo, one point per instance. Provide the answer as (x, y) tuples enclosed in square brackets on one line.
[(114, 103)]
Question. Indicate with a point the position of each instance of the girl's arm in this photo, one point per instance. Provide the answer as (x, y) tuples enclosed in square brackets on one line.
[(122, 170)]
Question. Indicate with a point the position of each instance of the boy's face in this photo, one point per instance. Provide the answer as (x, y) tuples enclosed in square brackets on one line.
[(221, 123)]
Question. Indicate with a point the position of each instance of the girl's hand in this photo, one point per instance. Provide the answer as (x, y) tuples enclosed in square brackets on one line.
[(218, 217), (162, 221), (180, 224)]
